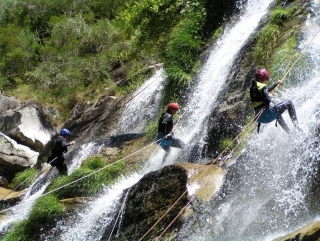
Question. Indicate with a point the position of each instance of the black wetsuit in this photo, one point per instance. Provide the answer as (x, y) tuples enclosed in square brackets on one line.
[(165, 127), (165, 123), (56, 159)]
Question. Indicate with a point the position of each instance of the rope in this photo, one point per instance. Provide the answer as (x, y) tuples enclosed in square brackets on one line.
[(25, 180), (79, 179), (256, 117)]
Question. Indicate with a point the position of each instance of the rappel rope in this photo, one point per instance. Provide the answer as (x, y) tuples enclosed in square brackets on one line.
[(124, 200), (139, 92), (221, 164), (299, 57), (79, 179), (185, 192), (33, 174), (122, 206)]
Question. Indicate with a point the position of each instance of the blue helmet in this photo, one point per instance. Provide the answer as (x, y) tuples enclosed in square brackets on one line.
[(65, 132)]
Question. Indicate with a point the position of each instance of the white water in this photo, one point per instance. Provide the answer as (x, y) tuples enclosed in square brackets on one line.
[(143, 106), (267, 175), (85, 151), (90, 224), (266, 195), (211, 81)]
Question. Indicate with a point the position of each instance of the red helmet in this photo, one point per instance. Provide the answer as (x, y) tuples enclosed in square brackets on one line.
[(173, 106), (262, 74)]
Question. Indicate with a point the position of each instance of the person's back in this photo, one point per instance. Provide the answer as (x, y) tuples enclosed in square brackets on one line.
[(59, 147)]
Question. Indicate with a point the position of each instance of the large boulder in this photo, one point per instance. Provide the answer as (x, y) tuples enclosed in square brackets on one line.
[(160, 196), (15, 157), (27, 125)]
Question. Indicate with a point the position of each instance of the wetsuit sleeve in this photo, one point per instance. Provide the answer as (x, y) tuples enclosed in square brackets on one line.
[(64, 145), (265, 96), (274, 85)]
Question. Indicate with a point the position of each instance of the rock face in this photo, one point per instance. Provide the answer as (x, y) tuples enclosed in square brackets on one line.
[(28, 126), (15, 157), (93, 121), (310, 232), (160, 196), (7, 103)]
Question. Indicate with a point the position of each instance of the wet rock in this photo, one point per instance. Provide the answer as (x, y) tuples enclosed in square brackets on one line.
[(307, 233), (4, 182), (7, 103), (15, 157), (27, 125), (160, 196), (93, 121), (7, 194)]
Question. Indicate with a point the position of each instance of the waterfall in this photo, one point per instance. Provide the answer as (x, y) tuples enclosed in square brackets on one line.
[(213, 75), (21, 210), (143, 105), (90, 223), (267, 188)]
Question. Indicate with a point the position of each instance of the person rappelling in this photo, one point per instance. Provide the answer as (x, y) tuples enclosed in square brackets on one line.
[(259, 93), (165, 137), (60, 146)]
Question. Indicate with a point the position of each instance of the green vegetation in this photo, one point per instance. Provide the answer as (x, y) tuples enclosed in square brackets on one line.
[(90, 185), (24, 179), (45, 212), (48, 210), (152, 130), (62, 53), (268, 38), (277, 52), (227, 143)]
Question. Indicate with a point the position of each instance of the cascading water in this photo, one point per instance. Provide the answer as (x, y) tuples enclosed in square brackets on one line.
[(143, 105), (211, 82), (213, 75), (265, 181), (267, 188)]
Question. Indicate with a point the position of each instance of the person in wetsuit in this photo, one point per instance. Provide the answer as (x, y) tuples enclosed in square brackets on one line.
[(60, 147), (165, 137), (259, 93)]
